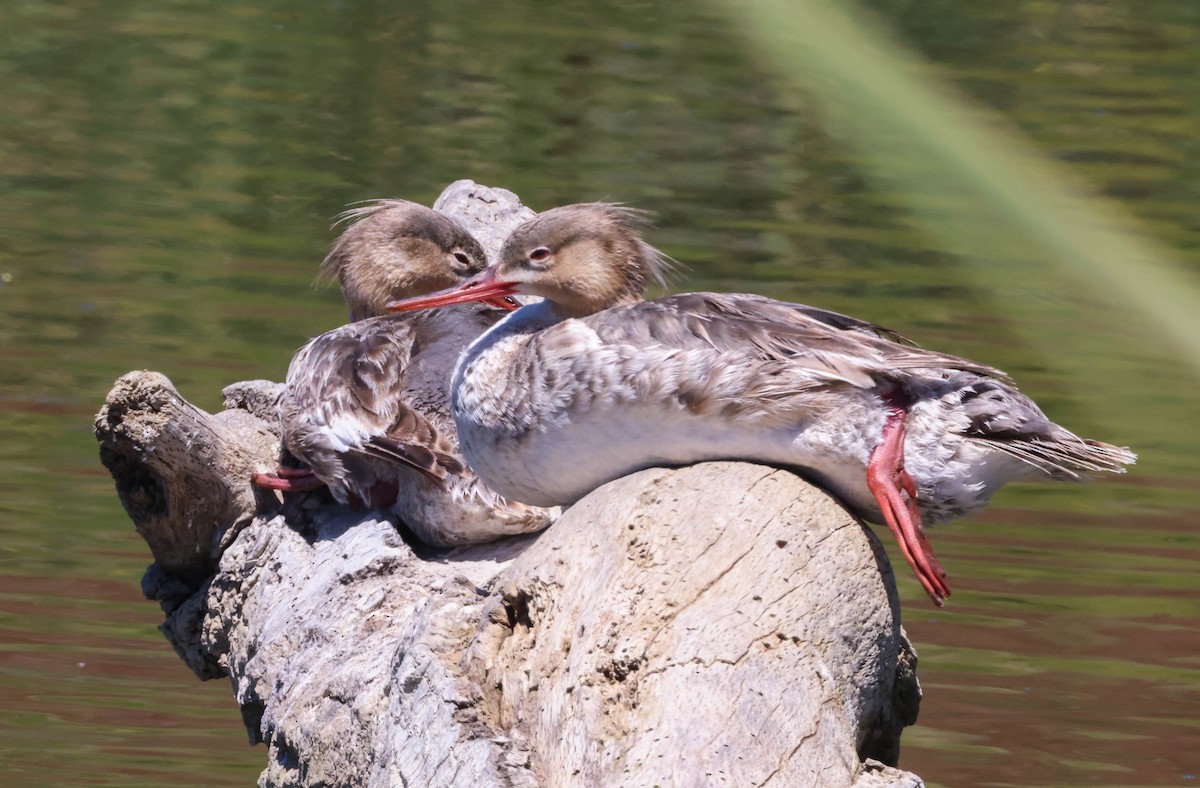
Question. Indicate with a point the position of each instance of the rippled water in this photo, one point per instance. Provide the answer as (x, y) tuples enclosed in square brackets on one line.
[(168, 171)]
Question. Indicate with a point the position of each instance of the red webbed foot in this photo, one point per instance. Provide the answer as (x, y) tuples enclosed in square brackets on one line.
[(896, 495), (288, 479)]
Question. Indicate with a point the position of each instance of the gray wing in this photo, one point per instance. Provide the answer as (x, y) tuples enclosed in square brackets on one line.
[(751, 357), (744, 357), (828, 345)]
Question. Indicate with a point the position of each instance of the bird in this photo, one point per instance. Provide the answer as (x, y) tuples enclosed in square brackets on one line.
[(365, 407), (593, 383)]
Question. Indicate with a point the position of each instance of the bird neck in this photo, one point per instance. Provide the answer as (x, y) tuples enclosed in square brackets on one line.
[(566, 308)]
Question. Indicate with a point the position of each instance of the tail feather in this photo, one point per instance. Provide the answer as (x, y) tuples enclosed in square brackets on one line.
[(1010, 422), (430, 461), (1066, 457)]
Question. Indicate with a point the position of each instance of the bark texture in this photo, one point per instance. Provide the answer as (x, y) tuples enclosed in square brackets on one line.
[(722, 624)]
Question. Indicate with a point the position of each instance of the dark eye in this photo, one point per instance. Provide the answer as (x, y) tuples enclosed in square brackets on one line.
[(539, 254), (462, 258)]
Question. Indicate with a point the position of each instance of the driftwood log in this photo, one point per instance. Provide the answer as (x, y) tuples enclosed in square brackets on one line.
[(722, 624)]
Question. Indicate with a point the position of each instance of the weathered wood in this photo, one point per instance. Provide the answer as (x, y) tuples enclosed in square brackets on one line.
[(182, 474), (724, 624), (487, 212)]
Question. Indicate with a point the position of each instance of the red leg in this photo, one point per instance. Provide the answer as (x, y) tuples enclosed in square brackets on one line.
[(890, 484), (288, 479), (284, 472)]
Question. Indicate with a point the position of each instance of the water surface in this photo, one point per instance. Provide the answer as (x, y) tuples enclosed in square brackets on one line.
[(168, 173)]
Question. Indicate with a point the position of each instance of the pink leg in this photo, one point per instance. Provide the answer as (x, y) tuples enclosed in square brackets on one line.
[(288, 479), (890, 483)]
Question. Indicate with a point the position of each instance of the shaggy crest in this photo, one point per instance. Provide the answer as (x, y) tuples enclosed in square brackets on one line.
[(351, 217)]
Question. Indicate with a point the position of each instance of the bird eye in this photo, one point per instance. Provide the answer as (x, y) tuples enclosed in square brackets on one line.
[(539, 254), (462, 258)]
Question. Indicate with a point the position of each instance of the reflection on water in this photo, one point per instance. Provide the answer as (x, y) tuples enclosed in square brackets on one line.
[(91, 696), (1068, 654), (169, 172)]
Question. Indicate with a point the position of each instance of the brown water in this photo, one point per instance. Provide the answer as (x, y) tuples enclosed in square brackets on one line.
[(168, 171)]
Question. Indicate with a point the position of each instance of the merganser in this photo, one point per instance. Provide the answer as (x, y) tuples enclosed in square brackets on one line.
[(593, 383), (366, 405)]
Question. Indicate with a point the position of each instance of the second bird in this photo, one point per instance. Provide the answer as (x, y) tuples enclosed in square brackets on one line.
[(366, 408)]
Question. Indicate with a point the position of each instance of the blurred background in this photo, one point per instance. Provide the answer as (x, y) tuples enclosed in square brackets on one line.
[(1017, 182)]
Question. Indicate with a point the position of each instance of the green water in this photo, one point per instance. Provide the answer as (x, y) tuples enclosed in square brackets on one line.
[(168, 172)]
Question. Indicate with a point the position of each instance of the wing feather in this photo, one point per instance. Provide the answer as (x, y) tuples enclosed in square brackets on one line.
[(828, 344), (346, 395)]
